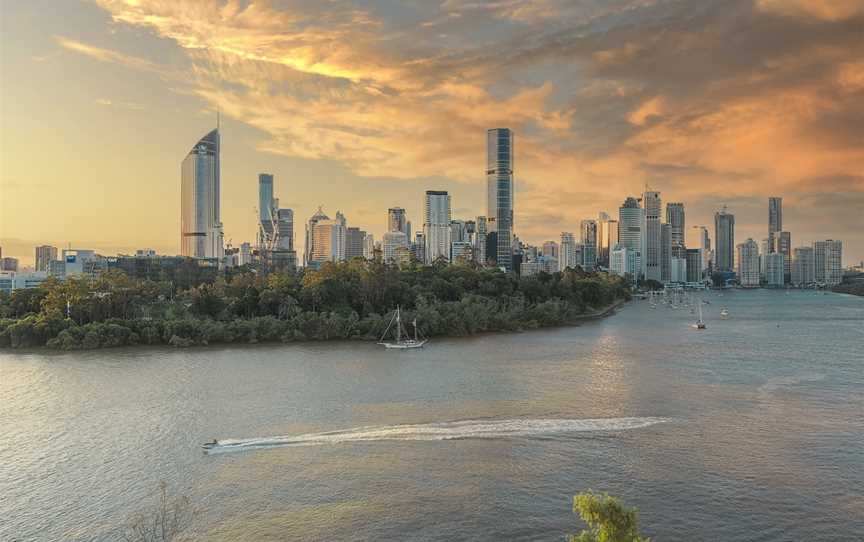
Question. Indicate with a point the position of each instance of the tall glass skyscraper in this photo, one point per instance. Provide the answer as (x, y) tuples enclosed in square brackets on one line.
[(499, 192), (724, 241), (651, 236), (200, 226)]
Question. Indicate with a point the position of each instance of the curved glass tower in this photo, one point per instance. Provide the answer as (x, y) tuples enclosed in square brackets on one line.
[(499, 187), (200, 226)]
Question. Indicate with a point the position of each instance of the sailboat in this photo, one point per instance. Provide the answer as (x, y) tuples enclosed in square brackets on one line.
[(700, 324), (403, 340)]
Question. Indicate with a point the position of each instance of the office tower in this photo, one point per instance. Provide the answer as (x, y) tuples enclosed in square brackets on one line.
[(675, 219), (694, 264), (612, 229), (354, 238), (266, 202), (436, 225), (461, 251), (457, 231), (775, 221), (588, 239), (803, 266), (678, 270), (630, 225), (391, 245), (282, 254), (763, 257), (724, 239), (774, 264), (200, 226), (397, 220), (783, 245), (325, 239), (666, 252), (651, 253), (9, 264), (44, 255), (499, 194), (567, 252), (748, 264), (827, 258)]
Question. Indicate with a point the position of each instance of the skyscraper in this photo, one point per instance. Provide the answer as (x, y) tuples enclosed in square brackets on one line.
[(588, 237), (200, 226), (698, 238), (499, 193), (480, 241), (651, 257), (775, 220), (774, 269), (395, 247), (666, 253), (724, 240), (748, 264), (567, 251), (266, 202), (45, 254), (827, 257), (436, 225), (675, 219), (630, 231), (354, 243)]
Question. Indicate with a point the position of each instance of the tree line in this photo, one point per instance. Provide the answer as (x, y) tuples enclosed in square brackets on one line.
[(348, 300)]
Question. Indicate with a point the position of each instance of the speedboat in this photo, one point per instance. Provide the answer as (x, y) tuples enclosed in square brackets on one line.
[(724, 312), (210, 445)]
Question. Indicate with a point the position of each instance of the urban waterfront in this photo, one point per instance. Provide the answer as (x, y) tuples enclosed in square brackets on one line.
[(749, 430)]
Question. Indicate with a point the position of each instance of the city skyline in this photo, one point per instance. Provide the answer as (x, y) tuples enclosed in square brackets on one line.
[(572, 160)]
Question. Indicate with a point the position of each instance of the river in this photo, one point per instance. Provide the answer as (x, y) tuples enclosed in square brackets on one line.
[(751, 430)]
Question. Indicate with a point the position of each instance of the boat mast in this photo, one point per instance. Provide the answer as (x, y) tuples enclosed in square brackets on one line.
[(398, 325), (415, 329)]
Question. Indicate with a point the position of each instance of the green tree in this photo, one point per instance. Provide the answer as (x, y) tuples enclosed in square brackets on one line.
[(608, 520)]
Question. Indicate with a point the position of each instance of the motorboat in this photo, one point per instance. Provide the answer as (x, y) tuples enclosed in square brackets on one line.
[(700, 324), (210, 445)]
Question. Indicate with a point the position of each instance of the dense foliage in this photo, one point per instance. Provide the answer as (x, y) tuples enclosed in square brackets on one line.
[(340, 301), (607, 519)]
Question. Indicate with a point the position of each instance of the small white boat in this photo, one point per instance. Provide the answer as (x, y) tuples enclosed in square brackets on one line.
[(210, 445), (700, 324), (724, 312), (403, 340)]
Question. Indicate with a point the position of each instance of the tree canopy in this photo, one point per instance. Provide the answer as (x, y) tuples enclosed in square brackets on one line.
[(607, 519)]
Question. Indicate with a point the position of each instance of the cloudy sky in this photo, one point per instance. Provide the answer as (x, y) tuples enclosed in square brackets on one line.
[(359, 106)]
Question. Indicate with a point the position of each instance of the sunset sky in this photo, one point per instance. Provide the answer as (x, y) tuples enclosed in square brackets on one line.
[(362, 106)]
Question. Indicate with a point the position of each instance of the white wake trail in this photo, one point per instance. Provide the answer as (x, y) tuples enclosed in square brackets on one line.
[(464, 429)]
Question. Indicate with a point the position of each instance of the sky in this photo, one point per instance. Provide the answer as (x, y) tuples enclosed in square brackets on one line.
[(361, 106)]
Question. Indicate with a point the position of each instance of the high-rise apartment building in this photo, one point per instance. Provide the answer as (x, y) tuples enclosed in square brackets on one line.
[(748, 264), (567, 252), (436, 225), (803, 266), (827, 258), (694, 265), (480, 241), (775, 221), (200, 225), (651, 232), (325, 239), (499, 193), (724, 239), (550, 249), (45, 254)]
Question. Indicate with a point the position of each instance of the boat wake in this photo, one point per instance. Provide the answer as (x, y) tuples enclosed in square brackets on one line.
[(465, 429)]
